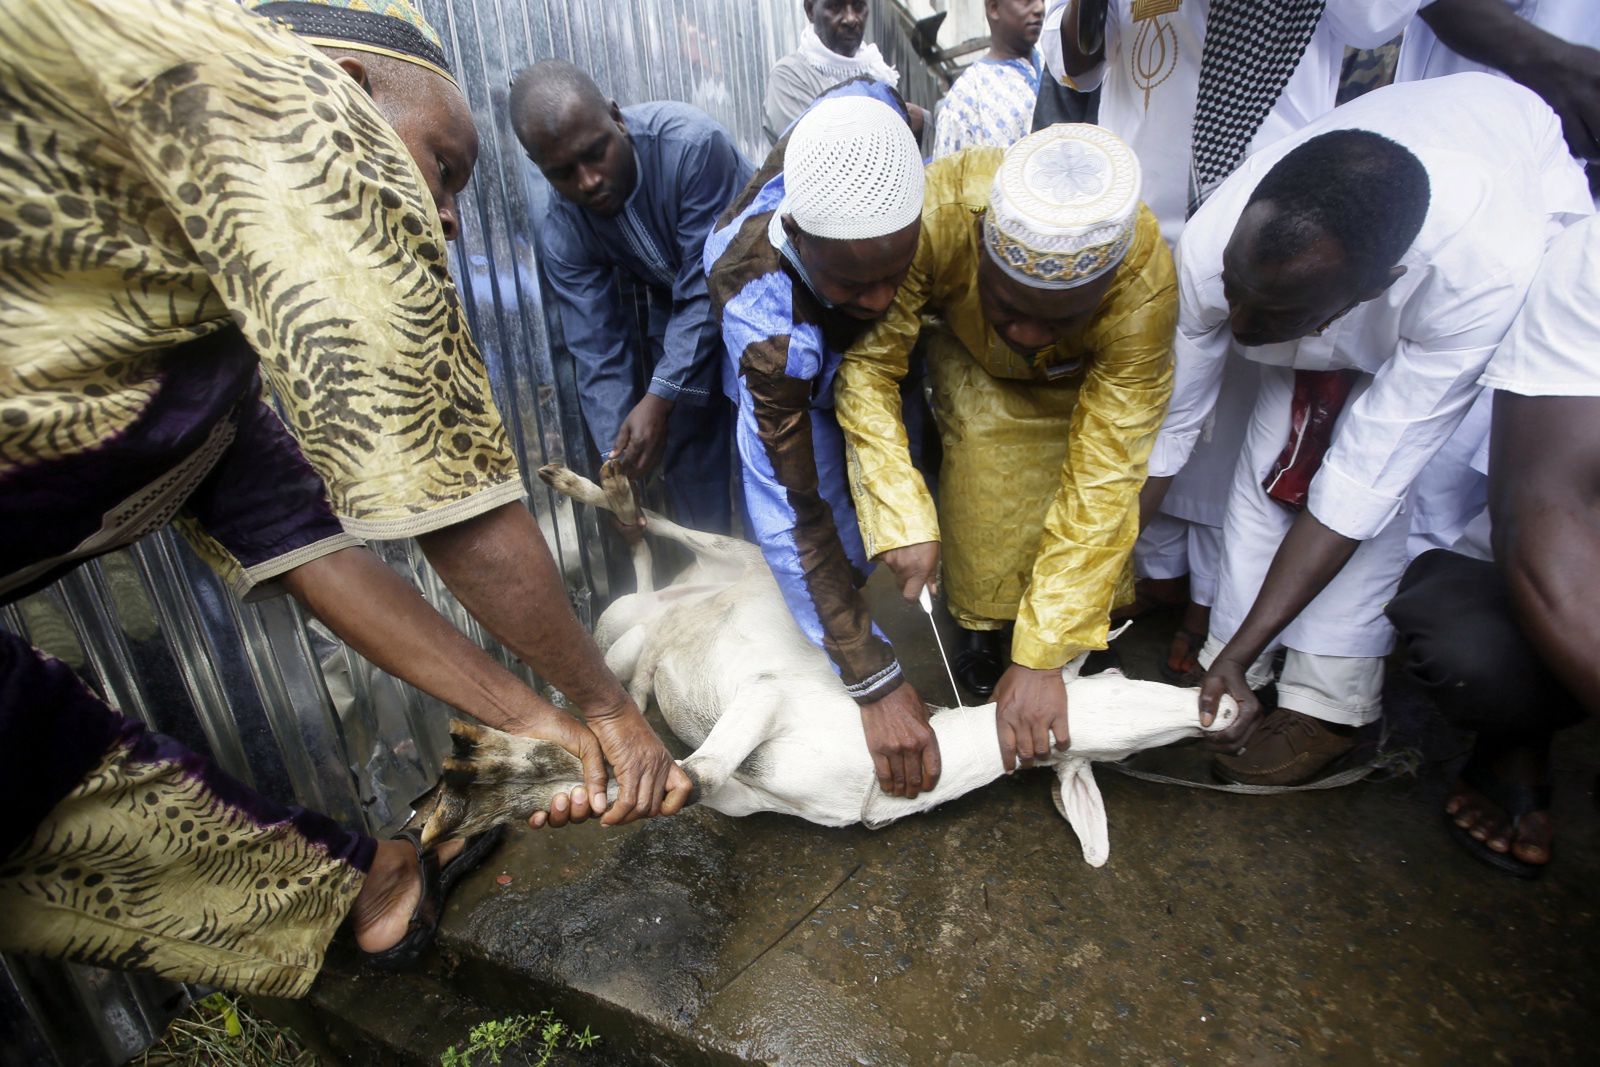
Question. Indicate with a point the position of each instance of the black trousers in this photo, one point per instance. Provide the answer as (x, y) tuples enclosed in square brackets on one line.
[(1463, 645)]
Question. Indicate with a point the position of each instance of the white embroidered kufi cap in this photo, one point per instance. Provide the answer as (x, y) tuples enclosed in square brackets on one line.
[(852, 170), (1063, 206)]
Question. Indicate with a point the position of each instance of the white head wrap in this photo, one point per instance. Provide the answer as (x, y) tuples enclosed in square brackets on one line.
[(852, 170), (1063, 206)]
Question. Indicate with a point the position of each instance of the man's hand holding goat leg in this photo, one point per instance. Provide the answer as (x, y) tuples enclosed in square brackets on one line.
[(573, 736), (642, 440), (384, 618), (1227, 678), (1029, 706), (649, 780), (1308, 559), (905, 750)]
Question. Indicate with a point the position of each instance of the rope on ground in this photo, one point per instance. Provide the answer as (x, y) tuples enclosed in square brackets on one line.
[(1391, 764)]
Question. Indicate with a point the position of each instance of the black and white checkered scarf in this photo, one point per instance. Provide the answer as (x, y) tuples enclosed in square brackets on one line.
[(1252, 47)]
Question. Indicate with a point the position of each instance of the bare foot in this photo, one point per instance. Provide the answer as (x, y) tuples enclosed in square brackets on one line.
[(1183, 654), (1528, 838), (382, 910), (1529, 841)]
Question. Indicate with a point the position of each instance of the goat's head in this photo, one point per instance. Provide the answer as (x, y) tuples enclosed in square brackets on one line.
[(493, 778)]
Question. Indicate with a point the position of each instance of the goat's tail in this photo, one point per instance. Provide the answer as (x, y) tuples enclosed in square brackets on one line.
[(617, 495)]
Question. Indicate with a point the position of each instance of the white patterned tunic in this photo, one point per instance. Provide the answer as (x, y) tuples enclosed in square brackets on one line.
[(990, 104)]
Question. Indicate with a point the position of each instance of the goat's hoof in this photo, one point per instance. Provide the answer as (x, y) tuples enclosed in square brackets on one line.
[(552, 474), (619, 492)]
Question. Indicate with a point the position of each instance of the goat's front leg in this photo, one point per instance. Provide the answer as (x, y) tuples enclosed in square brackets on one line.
[(569, 482), (616, 496), (750, 719)]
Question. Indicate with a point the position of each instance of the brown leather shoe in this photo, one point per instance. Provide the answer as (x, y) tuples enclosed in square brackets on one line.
[(1288, 748)]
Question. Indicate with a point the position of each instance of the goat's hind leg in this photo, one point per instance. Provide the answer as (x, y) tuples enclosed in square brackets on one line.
[(615, 496), (708, 548), (491, 778)]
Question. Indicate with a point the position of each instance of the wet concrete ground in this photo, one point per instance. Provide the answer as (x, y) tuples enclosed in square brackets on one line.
[(1340, 927)]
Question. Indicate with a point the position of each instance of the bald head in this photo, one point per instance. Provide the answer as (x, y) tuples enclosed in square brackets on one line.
[(574, 135), (549, 93)]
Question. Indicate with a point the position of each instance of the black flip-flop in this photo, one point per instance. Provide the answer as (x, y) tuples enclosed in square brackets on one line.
[(1512, 798), (437, 882)]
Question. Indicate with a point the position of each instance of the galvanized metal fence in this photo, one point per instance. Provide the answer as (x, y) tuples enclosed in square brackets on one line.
[(280, 703)]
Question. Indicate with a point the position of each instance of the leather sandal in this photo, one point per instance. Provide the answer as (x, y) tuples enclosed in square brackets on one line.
[(437, 882)]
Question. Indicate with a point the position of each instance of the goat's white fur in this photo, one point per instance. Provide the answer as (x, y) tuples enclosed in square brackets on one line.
[(772, 725)]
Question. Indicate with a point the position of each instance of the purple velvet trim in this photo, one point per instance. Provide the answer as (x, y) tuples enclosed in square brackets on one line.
[(263, 499), (54, 731), (46, 508)]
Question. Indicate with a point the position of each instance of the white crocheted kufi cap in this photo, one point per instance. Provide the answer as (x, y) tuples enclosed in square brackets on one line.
[(1063, 206), (852, 170)]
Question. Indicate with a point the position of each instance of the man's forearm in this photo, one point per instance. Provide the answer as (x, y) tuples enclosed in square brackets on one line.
[(1543, 466), (498, 565), (1309, 558), (374, 611), (1488, 32), (1550, 575), (1083, 36), (1151, 495)]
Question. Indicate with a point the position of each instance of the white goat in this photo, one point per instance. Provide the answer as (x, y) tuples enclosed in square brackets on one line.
[(772, 725)]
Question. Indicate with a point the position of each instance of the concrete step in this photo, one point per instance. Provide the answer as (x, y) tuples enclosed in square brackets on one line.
[(1338, 927)]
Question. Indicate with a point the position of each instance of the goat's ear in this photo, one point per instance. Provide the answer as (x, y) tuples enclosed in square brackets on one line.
[(1077, 798)]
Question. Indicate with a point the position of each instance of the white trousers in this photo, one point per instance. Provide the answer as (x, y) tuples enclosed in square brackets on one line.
[(1171, 547), (1345, 621), (1186, 537), (1341, 689)]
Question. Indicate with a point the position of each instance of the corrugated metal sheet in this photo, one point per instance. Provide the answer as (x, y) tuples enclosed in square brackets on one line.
[(277, 702)]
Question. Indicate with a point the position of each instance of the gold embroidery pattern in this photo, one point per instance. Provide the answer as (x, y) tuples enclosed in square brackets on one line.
[(1057, 268), (1154, 55), (1144, 10)]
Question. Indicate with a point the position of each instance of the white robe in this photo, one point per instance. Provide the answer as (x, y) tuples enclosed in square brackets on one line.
[(1553, 349), (1500, 180), (1452, 494), (1150, 80), (1149, 83)]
